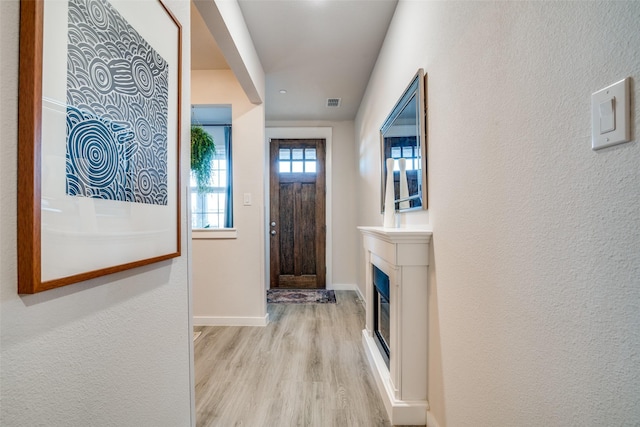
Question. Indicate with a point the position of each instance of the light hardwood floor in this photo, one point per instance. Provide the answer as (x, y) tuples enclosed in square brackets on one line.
[(306, 368)]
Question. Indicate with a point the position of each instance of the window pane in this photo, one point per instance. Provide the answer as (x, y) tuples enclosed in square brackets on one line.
[(215, 210), (310, 154), (215, 182), (222, 178), (285, 154), (396, 152), (285, 167), (310, 167), (298, 154), (297, 167), (407, 152), (208, 208)]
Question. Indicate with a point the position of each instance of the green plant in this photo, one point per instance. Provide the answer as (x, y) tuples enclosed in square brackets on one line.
[(202, 151)]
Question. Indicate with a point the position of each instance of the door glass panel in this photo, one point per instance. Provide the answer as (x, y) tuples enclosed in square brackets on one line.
[(310, 160), (297, 154), (310, 154), (285, 167), (285, 154), (310, 167), (297, 160), (297, 167)]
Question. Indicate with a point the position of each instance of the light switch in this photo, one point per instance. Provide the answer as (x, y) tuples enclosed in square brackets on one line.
[(610, 120), (607, 116), (247, 199)]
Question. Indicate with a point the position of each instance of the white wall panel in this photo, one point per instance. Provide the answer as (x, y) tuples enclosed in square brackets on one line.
[(110, 351), (534, 282)]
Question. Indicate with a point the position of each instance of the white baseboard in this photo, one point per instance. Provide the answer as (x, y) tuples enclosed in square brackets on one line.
[(230, 321), (359, 293), (345, 287), (342, 287)]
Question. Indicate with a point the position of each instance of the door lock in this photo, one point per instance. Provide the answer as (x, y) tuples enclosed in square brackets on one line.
[(273, 232)]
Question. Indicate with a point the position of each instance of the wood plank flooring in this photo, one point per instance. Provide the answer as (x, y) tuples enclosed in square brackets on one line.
[(306, 368)]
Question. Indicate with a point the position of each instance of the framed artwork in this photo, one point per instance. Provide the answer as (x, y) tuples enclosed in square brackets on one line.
[(98, 144)]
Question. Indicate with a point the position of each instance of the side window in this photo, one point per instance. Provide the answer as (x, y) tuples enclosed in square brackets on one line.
[(212, 206)]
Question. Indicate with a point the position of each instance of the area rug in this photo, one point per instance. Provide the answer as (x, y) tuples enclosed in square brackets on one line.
[(301, 296)]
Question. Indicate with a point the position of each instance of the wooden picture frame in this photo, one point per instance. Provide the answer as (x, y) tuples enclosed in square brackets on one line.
[(98, 139)]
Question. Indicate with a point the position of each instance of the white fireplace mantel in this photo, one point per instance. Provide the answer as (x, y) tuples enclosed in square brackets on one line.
[(403, 255)]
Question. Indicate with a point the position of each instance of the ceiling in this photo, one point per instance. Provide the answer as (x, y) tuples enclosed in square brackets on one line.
[(312, 49)]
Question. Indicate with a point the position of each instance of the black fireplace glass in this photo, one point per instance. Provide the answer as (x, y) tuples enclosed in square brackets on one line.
[(381, 314)]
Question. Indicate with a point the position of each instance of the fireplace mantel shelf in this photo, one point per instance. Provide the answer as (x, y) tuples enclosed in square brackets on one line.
[(403, 255), (398, 235)]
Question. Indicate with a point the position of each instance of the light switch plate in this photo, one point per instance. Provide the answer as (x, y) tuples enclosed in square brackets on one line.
[(610, 115)]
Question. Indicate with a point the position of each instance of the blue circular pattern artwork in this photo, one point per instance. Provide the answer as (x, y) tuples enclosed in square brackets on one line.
[(117, 108)]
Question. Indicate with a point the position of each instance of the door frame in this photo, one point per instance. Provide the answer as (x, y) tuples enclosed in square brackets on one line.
[(300, 133)]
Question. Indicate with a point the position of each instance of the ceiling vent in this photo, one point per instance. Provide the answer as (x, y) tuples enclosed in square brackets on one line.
[(333, 102)]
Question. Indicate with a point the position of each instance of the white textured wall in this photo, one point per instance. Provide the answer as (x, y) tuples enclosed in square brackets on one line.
[(228, 275), (535, 276), (113, 351), (344, 238), (225, 22), (247, 61)]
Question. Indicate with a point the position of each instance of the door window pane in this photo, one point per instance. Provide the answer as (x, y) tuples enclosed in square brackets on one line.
[(297, 154), (285, 154), (297, 167), (310, 154), (310, 167), (297, 160), (285, 167)]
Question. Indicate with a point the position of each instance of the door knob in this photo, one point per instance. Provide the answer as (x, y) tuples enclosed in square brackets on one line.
[(273, 232), (273, 223)]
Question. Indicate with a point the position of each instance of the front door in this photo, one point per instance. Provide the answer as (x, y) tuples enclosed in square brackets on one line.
[(297, 223)]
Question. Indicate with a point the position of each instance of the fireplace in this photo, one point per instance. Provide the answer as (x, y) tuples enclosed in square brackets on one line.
[(395, 334), (381, 312)]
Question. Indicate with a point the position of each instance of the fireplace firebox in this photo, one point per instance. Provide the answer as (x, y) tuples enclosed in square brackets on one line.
[(381, 312)]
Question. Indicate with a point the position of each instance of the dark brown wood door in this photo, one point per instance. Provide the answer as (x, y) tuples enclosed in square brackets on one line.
[(297, 213)]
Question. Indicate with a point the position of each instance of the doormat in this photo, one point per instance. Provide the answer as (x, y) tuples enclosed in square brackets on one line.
[(301, 296)]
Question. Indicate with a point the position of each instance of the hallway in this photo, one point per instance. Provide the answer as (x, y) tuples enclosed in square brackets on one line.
[(306, 368)]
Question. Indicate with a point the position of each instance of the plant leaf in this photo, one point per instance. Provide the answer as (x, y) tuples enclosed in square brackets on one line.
[(202, 151)]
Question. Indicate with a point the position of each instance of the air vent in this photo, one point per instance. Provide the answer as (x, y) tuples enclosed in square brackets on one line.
[(333, 102)]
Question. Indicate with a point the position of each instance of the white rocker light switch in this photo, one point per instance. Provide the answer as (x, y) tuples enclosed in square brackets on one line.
[(610, 120)]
